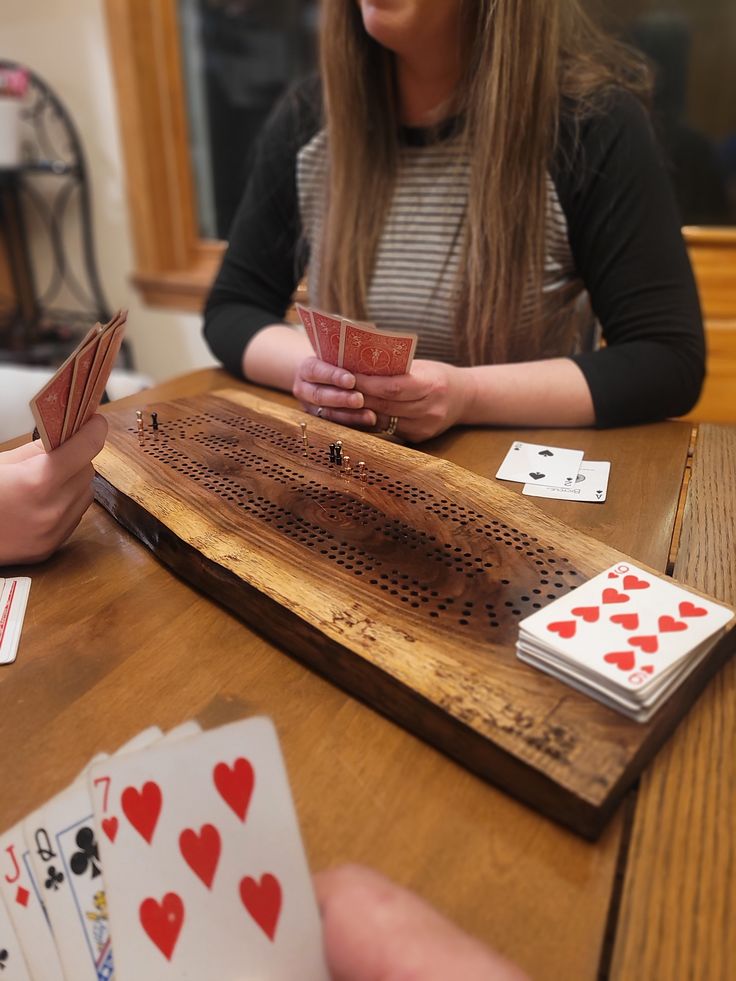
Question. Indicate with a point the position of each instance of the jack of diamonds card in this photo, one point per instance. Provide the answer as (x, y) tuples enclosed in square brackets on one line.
[(205, 870)]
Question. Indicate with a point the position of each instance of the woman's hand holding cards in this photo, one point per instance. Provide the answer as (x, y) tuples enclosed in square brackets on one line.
[(427, 401), (44, 495), (430, 399), (329, 391)]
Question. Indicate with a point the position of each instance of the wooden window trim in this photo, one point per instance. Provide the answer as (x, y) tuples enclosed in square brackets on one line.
[(174, 266)]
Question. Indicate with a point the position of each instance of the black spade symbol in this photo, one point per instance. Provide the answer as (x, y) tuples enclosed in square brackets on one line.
[(546, 453), (536, 476)]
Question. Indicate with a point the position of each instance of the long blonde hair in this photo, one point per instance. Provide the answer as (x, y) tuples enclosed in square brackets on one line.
[(523, 58)]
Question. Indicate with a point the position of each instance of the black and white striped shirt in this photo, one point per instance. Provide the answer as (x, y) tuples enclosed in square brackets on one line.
[(613, 251)]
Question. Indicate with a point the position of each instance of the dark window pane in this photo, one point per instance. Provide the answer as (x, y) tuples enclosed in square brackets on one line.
[(691, 45), (239, 57)]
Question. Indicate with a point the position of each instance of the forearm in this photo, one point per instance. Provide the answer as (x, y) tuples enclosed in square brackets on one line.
[(532, 393), (273, 355)]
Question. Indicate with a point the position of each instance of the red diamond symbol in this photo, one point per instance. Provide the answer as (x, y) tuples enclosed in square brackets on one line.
[(22, 896)]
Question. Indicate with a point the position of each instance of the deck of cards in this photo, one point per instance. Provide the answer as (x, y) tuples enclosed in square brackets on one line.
[(72, 396), (551, 471), (627, 638), (358, 347), (177, 857)]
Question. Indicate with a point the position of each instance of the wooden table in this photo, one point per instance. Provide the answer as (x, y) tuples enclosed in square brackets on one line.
[(114, 642)]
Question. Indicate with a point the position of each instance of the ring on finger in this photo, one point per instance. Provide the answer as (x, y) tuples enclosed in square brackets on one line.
[(393, 422), (318, 413)]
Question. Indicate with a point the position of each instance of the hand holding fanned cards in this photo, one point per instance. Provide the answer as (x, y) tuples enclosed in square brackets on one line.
[(626, 637), (204, 868), (72, 396), (178, 857), (358, 347)]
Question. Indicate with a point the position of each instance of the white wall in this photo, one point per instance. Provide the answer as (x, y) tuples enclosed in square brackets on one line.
[(66, 42)]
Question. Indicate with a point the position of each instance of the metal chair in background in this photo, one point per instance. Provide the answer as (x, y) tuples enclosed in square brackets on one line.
[(46, 224)]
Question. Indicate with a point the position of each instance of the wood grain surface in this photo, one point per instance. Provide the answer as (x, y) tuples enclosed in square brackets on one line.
[(114, 642), (406, 588), (679, 903)]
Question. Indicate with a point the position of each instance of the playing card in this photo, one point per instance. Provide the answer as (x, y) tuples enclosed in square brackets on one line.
[(328, 336), (12, 961), (368, 351), (107, 351), (62, 839), (205, 870), (624, 627), (50, 404), (305, 315), (13, 599), (637, 705), (22, 896), (590, 485), (80, 374), (537, 464)]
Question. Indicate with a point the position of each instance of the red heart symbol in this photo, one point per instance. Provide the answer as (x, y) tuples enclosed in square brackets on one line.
[(624, 660), (142, 808), (688, 609), (649, 668), (263, 901), (668, 625), (631, 582), (649, 643), (613, 596), (565, 628), (613, 575), (163, 921), (629, 621), (201, 851), (110, 827), (588, 613), (235, 784)]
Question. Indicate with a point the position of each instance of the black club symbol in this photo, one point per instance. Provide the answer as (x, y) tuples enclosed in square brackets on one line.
[(55, 878), (3, 958), (88, 855)]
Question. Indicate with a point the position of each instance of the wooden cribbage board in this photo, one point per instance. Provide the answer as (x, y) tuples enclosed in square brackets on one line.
[(406, 589)]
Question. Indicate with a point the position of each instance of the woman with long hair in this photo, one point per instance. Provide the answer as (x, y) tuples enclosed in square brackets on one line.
[(481, 172)]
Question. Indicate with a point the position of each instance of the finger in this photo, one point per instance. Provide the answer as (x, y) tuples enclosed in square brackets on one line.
[(24, 452), (392, 388), (374, 929), (71, 457), (324, 373), (310, 393), (348, 417), (404, 410)]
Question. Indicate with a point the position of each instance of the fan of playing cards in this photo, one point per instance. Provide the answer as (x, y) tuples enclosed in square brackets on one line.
[(626, 637), (72, 396), (359, 347), (177, 857)]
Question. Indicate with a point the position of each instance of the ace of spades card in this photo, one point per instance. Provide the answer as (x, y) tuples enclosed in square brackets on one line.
[(205, 871)]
